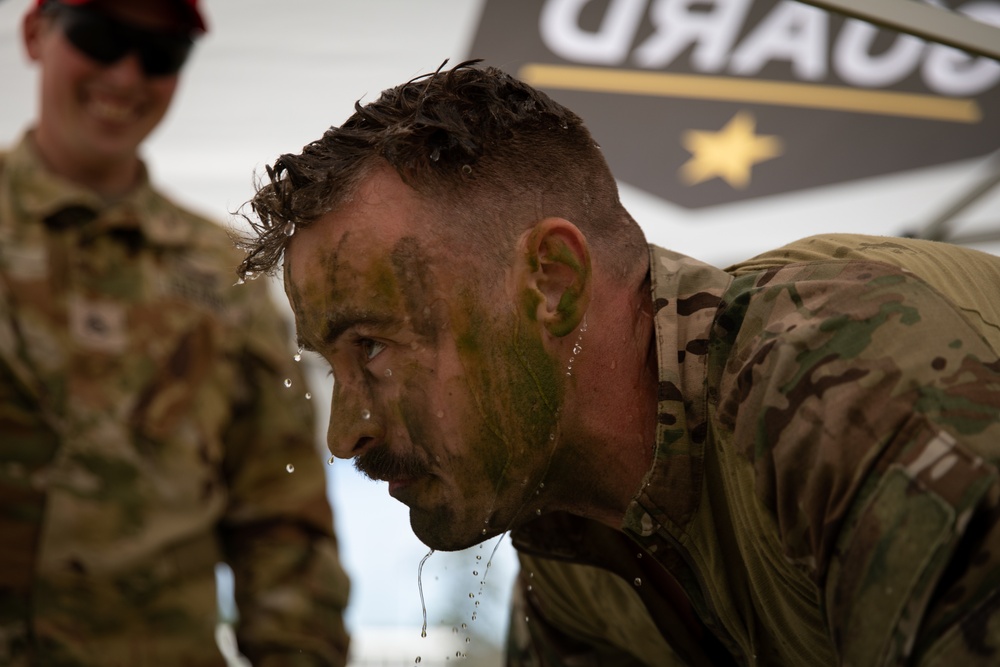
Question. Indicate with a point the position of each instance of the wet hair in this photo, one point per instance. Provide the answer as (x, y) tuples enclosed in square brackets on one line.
[(489, 155)]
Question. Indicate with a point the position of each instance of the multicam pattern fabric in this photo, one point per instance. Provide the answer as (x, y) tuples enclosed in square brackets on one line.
[(146, 434), (825, 487)]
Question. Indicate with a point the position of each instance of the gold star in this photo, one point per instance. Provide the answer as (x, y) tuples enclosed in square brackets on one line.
[(729, 153)]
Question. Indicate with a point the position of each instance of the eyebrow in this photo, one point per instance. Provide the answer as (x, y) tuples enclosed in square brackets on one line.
[(338, 323)]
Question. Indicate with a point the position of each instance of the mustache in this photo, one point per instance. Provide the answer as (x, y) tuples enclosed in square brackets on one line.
[(380, 464)]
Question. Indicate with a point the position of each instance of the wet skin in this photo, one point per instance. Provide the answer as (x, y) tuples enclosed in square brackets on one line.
[(458, 388)]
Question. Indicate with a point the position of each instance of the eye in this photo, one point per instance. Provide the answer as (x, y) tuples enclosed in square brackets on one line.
[(370, 347)]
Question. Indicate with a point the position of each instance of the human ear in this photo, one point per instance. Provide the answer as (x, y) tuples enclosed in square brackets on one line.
[(555, 274), (31, 33)]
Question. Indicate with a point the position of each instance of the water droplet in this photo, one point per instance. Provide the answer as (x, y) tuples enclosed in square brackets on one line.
[(466, 169), (288, 382), (298, 355), (529, 587), (477, 603), (290, 468), (420, 589), (435, 154), (577, 349), (308, 396), (366, 414), (454, 630), (479, 557), (538, 512), (388, 372), (638, 555), (464, 626), (468, 640), (289, 228), (638, 581), (458, 654), (240, 281), (472, 595), (418, 658), (526, 619), (330, 460), (484, 531), (541, 485), (475, 573)]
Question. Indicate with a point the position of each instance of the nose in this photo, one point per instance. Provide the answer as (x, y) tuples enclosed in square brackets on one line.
[(127, 69), (354, 427)]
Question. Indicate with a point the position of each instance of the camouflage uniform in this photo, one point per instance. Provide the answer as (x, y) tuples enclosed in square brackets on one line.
[(145, 431), (825, 488)]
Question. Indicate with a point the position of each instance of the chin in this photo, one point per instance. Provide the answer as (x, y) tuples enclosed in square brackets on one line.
[(441, 534)]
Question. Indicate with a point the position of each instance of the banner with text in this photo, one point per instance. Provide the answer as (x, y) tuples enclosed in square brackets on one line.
[(706, 102)]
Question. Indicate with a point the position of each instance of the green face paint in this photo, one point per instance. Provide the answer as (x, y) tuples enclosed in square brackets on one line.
[(449, 383)]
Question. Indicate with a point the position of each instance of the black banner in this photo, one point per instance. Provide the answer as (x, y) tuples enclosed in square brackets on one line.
[(706, 102)]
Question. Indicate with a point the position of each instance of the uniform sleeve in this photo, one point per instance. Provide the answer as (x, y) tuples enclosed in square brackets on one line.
[(26, 445), (278, 533), (869, 410)]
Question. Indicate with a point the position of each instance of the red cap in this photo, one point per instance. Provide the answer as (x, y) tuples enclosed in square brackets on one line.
[(189, 7)]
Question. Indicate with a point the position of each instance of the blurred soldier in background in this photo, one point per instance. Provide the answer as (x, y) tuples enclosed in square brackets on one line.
[(147, 431)]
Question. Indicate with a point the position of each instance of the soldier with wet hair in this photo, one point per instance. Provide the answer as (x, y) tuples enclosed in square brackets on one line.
[(145, 430), (790, 461), (432, 140)]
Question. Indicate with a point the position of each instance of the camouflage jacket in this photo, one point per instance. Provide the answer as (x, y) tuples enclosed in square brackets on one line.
[(825, 489), (145, 435)]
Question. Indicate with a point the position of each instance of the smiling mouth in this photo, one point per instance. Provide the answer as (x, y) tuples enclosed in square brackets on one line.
[(111, 109)]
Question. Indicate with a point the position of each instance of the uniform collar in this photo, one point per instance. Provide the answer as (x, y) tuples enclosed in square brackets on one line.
[(686, 296), (41, 194)]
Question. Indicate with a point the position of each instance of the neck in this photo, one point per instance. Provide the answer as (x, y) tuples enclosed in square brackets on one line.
[(109, 178), (615, 399)]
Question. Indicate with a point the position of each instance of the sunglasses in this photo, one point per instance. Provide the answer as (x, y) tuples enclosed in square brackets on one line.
[(107, 40)]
